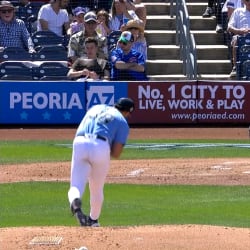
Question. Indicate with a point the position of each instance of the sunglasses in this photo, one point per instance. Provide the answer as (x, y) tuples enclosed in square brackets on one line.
[(6, 11), (121, 42)]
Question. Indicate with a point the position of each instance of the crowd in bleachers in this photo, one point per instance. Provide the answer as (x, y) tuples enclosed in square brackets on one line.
[(79, 39), (233, 19)]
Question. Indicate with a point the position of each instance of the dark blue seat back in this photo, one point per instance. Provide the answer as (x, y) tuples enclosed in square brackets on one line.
[(50, 53), (50, 69), (15, 68), (112, 39), (46, 38), (15, 54)]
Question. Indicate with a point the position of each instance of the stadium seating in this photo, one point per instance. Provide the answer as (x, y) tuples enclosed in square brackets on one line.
[(50, 69), (243, 57), (40, 38), (15, 54), (112, 39), (15, 70), (50, 53)]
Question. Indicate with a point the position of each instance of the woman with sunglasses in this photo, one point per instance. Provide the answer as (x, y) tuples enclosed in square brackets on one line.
[(13, 32)]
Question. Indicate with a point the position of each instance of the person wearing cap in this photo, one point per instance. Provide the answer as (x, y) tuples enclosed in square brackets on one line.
[(54, 17), (78, 23), (137, 30), (76, 47), (127, 64), (92, 68), (13, 32), (101, 134)]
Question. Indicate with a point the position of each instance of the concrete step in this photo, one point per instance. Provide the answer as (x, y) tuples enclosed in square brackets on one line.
[(213, 77), (199, 23), (192, 1), (218, 51), (167, 77), (196, 9), (205, 37), (214, 66), (160, 37), (163, 52), (162, 22), (160, 8), (164, 67)]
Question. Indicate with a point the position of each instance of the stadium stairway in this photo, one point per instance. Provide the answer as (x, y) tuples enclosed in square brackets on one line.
[(213, 58), (213, 62), (163, 55)]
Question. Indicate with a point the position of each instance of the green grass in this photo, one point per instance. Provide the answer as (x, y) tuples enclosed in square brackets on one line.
[(40, 203), (46, 203), (51, 151)]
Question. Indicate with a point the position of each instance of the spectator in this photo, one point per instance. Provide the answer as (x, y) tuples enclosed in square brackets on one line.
[(230, 5), (91, 68), (213, 5), (13, 32), (54, 17), (103, 23), (126, 63), (140, 10), (77, 25), (120, 14), (76, 46), (239, 24), (137, 30), (95, 5)]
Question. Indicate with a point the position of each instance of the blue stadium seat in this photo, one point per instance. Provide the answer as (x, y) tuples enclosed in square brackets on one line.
[(50, 53), (242, 56), (15, 68), (112, 39), (16, 78), (15, 54), (48, 69), (40, 38), (54, 78)]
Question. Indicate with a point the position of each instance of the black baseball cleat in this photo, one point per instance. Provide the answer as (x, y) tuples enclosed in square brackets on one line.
[(92, 223), (81, 218), (77, 212)]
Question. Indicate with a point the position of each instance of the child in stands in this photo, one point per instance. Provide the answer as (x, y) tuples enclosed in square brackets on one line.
[(103, 23)]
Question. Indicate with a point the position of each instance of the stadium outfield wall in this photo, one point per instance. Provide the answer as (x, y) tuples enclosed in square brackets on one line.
[(172, 102)]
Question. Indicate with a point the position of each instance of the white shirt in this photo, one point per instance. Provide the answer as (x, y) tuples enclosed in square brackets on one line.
[(55, 21), (240, 19)]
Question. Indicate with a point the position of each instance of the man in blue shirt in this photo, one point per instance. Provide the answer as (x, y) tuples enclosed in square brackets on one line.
[(127, 64), (102, 133)]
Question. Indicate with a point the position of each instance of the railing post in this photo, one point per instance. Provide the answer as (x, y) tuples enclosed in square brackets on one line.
[(185, 40)]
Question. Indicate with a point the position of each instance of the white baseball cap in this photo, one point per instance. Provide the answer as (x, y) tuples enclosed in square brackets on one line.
[(126, 37)]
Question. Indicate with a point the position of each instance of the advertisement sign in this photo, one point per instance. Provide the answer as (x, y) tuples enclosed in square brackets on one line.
[(224, 102), (179, 102), (105, 92), (194, 102), (42, 102)]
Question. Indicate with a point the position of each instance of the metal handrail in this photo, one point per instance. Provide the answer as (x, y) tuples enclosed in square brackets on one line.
[(184, 38)]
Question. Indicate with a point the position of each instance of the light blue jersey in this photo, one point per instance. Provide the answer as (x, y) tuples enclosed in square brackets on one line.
[(105, 121)]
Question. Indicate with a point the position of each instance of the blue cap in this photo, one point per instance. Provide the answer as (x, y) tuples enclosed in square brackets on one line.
[(79, 10)]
